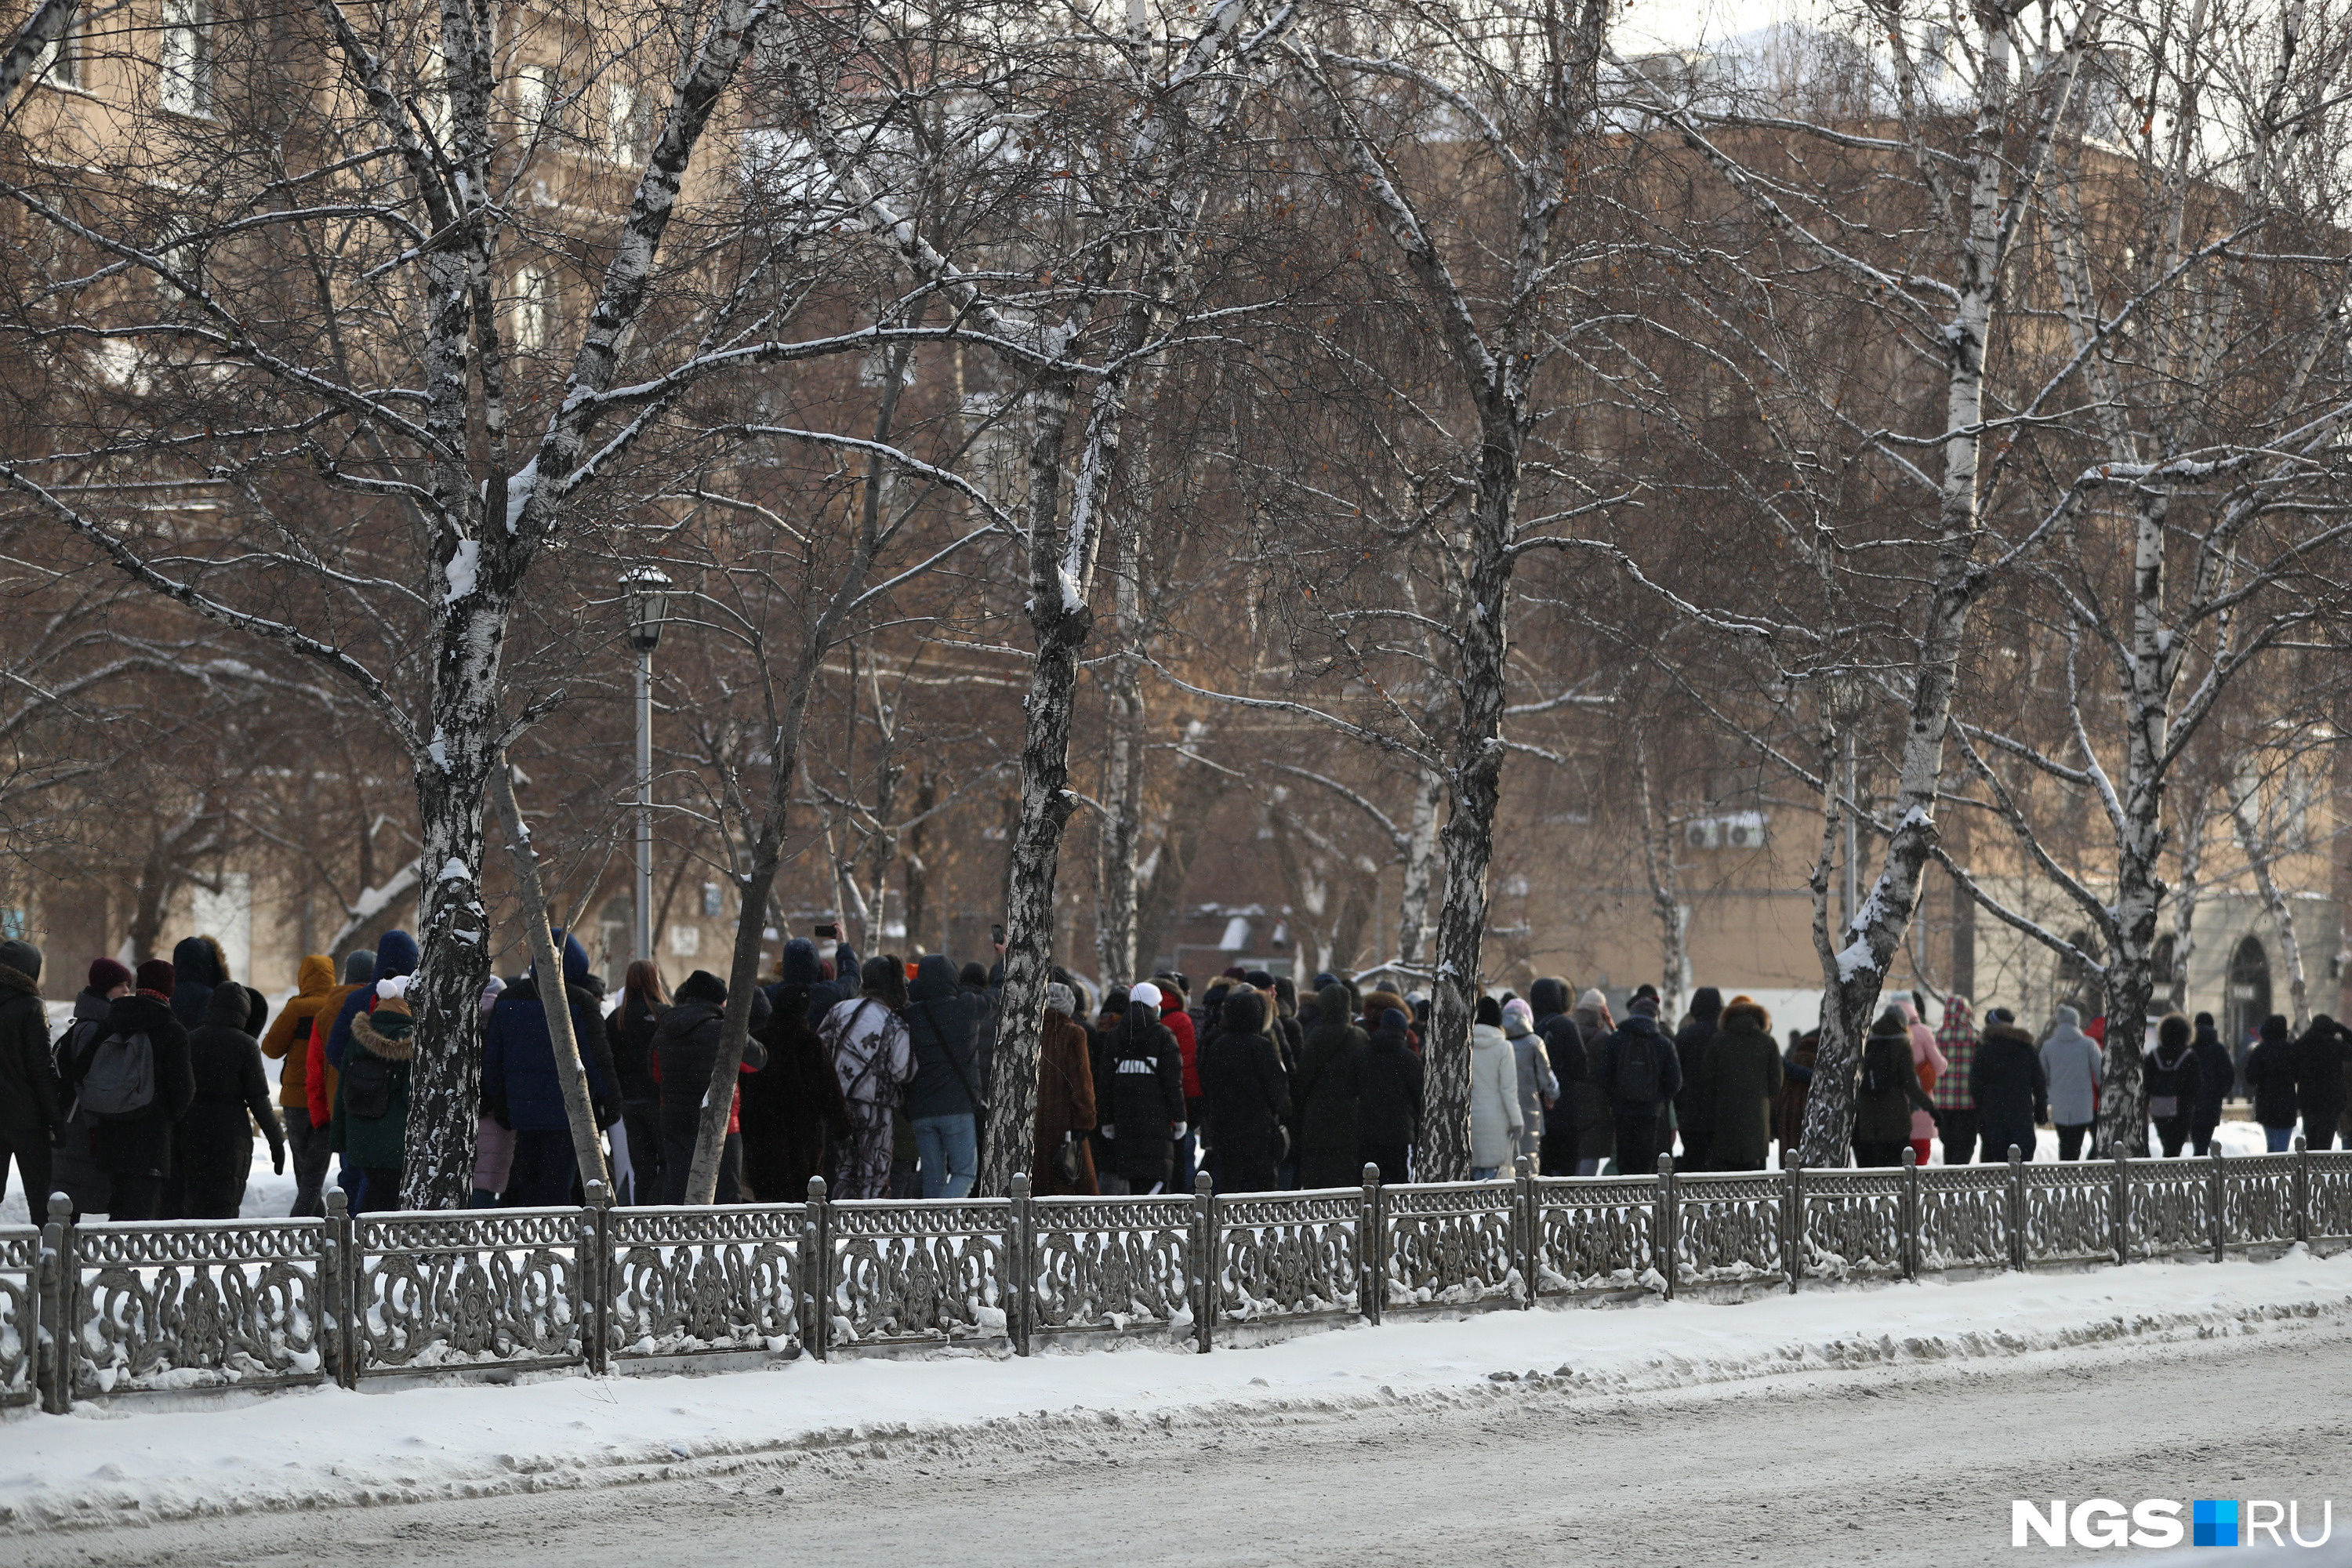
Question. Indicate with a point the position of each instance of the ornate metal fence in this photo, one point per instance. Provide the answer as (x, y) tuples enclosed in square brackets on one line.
[(95, 1311)]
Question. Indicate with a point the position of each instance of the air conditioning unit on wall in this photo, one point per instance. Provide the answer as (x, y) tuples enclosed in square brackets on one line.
[(1730, 831)]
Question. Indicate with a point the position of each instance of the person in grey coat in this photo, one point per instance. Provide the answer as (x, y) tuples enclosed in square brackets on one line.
[(1538, 1089), (2070, 1059)]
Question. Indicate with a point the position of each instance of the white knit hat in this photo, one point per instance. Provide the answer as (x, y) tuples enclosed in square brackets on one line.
[(1145, 992)]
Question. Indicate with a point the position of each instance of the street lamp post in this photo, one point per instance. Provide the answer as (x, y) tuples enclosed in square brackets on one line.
[(647, 593), (1843, 697)]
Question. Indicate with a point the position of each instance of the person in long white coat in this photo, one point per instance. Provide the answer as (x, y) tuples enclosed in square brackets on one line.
[(1496, 1122)]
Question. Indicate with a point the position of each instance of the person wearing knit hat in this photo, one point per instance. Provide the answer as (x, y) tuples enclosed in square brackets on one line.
[(74, 1169), (1387, 1097), (106, 974), (1640, 1072), (370, 1129), (1539, 1085), (131, 1140)]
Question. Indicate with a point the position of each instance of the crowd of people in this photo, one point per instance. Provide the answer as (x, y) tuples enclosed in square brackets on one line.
[(876, 1075)]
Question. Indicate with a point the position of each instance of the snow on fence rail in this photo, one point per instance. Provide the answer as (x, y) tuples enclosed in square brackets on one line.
[(88, 1311)]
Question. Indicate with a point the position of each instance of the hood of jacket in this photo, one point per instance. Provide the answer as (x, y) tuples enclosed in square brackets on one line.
[(89, 1005), (935, 979), (700, 986), (359, 966), (391, 1047), (137, 1014), (2067, 1017), (1707, 1004), (395, 955), (228, 1007), (1593, 999), (1742, 1016), (1548, 996), (16, 981), (25, 958), (799, 966), (193, 963), (1245, 1012), (2273, 1029), (2004, 1033), (316, 976), (1640, 1023), (1488, 1037)]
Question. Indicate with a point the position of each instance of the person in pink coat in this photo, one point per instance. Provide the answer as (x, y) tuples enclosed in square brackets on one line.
[(1927, 1061)]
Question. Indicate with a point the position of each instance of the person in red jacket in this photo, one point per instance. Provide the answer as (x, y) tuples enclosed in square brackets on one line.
[(1180, 1024)]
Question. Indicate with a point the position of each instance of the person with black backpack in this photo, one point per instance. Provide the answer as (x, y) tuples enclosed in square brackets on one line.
[(134, 1080), (371, 1126), (949, 1095), (1640, 1074)]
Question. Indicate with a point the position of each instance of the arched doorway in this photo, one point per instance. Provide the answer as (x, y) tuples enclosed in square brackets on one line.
[(2249, 995)]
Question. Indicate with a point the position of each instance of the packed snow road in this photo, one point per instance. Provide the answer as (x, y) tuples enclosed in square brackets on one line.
[(1886, 1464)]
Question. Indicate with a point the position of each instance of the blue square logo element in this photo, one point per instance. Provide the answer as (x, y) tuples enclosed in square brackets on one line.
[(2213, 1523)]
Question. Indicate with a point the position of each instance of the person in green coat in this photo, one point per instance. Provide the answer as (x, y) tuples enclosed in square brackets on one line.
[(1740, 1079), (370, 1129), (1329, 1149)]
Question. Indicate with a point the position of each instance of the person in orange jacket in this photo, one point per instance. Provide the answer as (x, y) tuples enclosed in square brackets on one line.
[(289, 1040)]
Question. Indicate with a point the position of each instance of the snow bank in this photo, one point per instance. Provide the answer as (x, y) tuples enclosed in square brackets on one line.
[(328, 1447)]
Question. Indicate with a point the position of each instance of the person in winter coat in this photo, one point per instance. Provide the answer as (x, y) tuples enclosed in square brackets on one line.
[(1389, 1098), (2070, 1059), (289, 1040), (2011, 1087), (841, 981), (370, 1129), (1596, 1121), (680, 1059), (1956, 1106), (945, 1101), (134, 1145), (524, 1088), (2216, 1077), (1693, 1115), (1496, 1122), (213, 1150), (1742, 1067), (1248, 1095), (791, 1110), (74, 1169), (32, 1113), (2170, 1071), (1178, 1022), (1927, 1060), (1066, 1102), (1796, 1085), (629, 1041), (1642, 1075), (1888, 1092), (1538, 1089), (1326, 1089), (1563, 1044), (197, 966), (867, 1041), (1139, 1097), (2270, 1076), (2319, 1058), (318, 1071)]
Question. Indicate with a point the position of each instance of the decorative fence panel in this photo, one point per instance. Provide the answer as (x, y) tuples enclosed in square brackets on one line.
[(1596, 1233), (695, 1281), (1853, 1224), (1113, 1263), (934, 1270), (1964, 1219), (1293, 1256), (1730, 1229), (94, 1311), (1451, 1244)]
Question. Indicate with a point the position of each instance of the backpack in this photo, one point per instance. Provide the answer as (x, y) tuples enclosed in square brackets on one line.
[(117, 1081), (1637, 1069), (366, 1084), (1877, 1078)]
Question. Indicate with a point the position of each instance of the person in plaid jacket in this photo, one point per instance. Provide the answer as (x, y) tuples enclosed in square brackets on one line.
[(1956, 1104)]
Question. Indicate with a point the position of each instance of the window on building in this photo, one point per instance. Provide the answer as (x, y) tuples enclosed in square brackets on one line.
[(535, 97), (626, 123), (534, 308), (186, 57)]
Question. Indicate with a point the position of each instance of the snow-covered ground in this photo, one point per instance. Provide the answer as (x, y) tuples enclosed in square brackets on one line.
[(327, 1447)]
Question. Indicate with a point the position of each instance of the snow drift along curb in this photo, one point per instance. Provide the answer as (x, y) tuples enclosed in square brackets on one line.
[(328, 1447)]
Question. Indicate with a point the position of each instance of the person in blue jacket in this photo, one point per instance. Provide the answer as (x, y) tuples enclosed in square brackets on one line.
[(395, 955), (522, 1090)]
